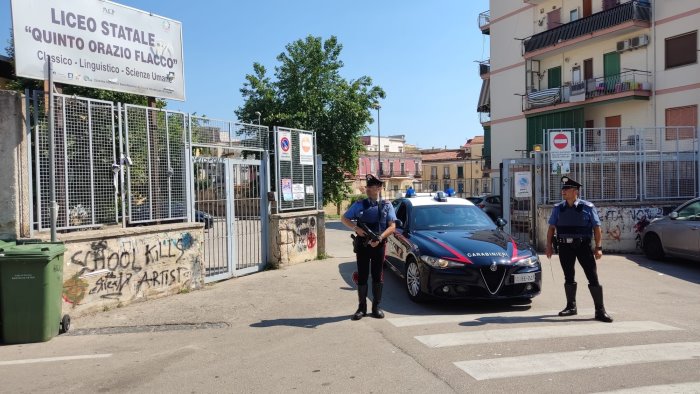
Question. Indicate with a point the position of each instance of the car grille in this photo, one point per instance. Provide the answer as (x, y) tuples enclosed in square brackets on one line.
[(493, 279)]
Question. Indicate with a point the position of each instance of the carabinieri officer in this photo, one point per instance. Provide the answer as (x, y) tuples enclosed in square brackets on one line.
[(379, 216), (574, 220)]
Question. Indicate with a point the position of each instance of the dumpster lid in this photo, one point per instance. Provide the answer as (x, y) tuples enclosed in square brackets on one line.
[(31, 249)]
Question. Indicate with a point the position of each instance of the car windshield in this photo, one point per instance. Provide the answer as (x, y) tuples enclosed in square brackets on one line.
[(458, 217)]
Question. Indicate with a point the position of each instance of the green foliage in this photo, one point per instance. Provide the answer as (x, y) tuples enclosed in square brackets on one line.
[(356, 197), (310, 94)]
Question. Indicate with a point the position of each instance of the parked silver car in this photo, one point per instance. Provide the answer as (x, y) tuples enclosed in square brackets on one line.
[(677, 234)]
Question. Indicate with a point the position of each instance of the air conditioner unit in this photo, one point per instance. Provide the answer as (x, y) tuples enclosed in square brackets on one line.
[(622, 45), (639, 41)]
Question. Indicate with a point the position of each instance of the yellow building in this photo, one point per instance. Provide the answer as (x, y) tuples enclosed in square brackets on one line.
[(458, 169)]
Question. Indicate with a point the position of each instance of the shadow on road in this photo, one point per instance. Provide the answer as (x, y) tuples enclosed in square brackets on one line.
[(306, 322), (678, 268), (336, 225)]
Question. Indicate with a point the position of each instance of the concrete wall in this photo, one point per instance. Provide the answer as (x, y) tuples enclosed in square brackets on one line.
[(296, 237), (621, 224), (115, 267), (14, 192)]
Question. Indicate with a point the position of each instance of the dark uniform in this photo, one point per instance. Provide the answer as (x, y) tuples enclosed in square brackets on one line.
[(574, 229), (377, 216)]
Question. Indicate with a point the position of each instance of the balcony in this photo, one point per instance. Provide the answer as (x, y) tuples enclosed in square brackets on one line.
[(485, 22), (484, 68), (417, 174), (628, 84), (433, 177), (633, 13)]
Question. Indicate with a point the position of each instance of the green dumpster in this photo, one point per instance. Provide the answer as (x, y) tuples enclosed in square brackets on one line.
[(31, 285)]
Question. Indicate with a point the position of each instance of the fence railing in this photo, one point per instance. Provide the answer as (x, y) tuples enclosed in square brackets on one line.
[(115, 162), (628, 164), (628, 81)]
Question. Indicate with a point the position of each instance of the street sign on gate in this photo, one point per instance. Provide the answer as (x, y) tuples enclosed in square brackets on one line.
[(560, 145)]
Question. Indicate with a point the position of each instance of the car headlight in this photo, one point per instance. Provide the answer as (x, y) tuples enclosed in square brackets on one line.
[(439, 263), (530, 261)]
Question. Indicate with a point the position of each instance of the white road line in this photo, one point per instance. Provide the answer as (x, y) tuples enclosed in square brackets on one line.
[(536, 364), (528, 333), (674, 388), (504, 316), (52, 359)]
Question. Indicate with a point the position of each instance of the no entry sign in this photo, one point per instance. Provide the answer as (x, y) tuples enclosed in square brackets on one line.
[(560, 145)]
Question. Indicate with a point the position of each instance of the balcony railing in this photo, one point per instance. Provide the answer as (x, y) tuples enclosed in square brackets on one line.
[(631, 11), (417, 174), (628, 81), (484, 20), (433, 177)]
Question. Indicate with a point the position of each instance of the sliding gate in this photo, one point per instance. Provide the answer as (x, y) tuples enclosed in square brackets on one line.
[(518, 192)]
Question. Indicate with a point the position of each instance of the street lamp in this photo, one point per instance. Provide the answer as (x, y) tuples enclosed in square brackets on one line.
[(379, 139), (258, 114)]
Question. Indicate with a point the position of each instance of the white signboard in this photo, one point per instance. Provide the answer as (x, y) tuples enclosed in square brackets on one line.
[(523, 184), (99, 44), (284, 143), (306, 148), (560, 145)]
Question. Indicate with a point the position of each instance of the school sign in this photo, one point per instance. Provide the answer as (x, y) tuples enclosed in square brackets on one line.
[(99, 44)]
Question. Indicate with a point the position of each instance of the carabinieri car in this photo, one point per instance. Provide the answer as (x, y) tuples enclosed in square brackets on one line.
[(446, 247)]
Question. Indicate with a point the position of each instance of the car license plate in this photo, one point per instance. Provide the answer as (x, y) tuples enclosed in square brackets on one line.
[(524, 278)]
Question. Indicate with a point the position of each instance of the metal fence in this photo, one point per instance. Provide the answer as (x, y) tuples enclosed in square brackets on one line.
[(122, 163), (628, 164), (84, 151), (294, 178)]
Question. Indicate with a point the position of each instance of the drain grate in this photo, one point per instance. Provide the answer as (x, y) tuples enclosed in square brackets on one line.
[(147, 328)]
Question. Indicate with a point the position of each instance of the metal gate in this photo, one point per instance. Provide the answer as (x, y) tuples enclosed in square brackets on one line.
[(518, 195), (227, 199)]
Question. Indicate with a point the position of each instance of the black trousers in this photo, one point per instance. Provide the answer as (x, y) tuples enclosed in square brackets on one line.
[(568, 253), (369, 257)]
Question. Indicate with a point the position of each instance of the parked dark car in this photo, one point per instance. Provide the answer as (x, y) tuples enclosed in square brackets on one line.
[(492, 206), (476, 200), (448, 248), (676, 234)]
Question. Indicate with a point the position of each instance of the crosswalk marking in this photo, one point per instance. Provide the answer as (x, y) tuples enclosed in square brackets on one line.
[(674, 388), (505, 317), (585, 359), (528, 333)]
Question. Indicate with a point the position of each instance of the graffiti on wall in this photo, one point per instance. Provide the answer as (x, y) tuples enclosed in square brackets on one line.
[(617, 222), (137, 265), (304, 233)]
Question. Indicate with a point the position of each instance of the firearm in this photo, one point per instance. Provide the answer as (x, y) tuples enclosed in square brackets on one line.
[(364, 241)]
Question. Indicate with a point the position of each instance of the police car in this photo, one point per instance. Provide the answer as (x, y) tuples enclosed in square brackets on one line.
[(446, 247)]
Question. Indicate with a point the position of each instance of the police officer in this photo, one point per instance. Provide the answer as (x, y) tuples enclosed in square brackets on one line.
[(379, 216), (574, 220)]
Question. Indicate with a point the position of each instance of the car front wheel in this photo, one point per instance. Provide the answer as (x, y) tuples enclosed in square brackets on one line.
[(652, 247), (413, 281)]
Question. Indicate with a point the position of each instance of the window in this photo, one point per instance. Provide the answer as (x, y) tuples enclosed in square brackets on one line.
[(391, 168), (681, 50), (403, 168), (386, 148), (445, 172), (573, 15), (381, 168), (371, 166), (401, 213), (433, 172), (681, 116), (460, 172)]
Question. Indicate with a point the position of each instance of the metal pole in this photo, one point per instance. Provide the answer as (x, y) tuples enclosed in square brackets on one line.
[(379, 147), (52, 158)]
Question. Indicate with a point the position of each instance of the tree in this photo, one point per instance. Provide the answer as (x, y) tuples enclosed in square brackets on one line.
[(309, 93)]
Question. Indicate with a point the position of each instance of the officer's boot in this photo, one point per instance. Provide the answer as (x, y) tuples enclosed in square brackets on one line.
[(597, 294), (377, 294), (362, 304), (570, 309)]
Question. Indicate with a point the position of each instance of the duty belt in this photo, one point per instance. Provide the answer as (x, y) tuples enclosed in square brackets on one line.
[(573, 240)]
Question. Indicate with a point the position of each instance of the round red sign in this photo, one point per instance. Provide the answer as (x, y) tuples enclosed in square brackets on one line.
[(560, 141)]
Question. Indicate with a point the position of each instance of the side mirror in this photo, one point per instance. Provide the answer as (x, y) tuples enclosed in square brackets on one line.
[(673, 215), (500, 222), (399, 223)]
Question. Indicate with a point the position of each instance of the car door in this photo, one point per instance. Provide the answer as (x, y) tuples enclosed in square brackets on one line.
[(391, 243), (682, 235), (400, 244)]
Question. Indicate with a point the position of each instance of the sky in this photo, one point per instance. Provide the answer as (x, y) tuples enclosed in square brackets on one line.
[(421, 53)]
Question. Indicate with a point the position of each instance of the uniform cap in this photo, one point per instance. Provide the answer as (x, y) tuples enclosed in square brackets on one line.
[(373, 181), (568, 183)]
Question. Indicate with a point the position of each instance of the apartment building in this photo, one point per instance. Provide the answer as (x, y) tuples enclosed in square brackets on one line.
[(458, 169), (587, 64), (398, 164)]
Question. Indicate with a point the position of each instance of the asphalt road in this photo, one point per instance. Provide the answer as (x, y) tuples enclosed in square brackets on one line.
[(288, 330)]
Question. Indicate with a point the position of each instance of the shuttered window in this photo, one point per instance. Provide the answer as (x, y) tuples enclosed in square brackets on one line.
[(681, 50), (681, 116)]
